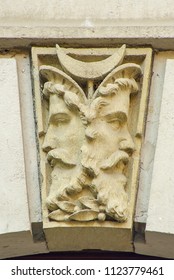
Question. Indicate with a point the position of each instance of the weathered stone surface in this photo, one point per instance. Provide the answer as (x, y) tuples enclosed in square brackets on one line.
[(93, 70), (87, 141), (14, 207), (76, 162), (159, 230), (15, 225), (149, 142), (30, 145), (66, 23), (161, 205), (74, 237)]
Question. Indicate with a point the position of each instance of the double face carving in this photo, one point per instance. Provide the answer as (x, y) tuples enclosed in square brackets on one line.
[(88, 145)]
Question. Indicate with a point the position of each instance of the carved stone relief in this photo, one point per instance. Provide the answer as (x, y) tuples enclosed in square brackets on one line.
[(90, 134)]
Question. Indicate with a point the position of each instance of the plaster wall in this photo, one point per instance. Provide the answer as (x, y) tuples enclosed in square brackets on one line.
[(86, 14)]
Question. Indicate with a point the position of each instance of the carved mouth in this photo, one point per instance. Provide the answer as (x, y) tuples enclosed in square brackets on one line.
[(121, 166), (59, 156), (119, 159), (123, 162)]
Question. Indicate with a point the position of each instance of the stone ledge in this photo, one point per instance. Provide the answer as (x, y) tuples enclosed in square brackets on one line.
[(159, 37)]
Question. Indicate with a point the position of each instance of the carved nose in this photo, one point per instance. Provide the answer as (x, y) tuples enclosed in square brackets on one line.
[(127, 145), (48, 143), (46, 148), (90, 134)]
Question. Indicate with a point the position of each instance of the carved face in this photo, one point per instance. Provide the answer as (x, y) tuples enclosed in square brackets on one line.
[(107, 148), (108, 139), (87, 144), (62, 141), (65, 132)]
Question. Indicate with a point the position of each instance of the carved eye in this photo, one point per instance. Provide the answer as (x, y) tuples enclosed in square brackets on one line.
[(60, 119), (115, 123)]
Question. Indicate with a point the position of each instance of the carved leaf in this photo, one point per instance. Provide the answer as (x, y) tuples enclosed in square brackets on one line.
[(89, 202), (66, 206), (58, 215), (84, 215)]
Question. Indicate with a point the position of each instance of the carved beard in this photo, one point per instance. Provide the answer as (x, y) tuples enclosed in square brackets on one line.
[(107, 180), (90, 160), (111, 194), (93, 162), (61, 156), (63, 177)]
